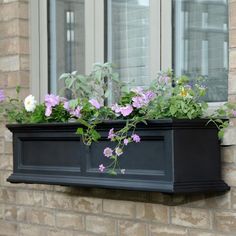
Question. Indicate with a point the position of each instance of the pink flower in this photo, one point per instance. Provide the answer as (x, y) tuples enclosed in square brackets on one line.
[(115, 108), (95, 103), (66, 106), (76, 112), (108, 152), (102, 168), (150, 95), (111, 134), (138, 102), (234, 113), (48, 111), (126, 141), (2, 96), (137, 90), (136, 138), (127, 110), (51, 100)]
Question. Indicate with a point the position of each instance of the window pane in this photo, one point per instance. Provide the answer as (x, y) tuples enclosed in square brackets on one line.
[(128, 39), (201, 43), (66, 39)]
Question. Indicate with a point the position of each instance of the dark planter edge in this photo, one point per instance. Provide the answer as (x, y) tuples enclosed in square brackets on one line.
[(215, 186)]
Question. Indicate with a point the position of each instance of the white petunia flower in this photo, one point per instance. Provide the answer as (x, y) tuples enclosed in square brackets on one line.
[(30, 103)]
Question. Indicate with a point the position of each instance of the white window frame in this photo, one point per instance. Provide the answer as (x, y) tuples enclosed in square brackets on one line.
[(160, 40)]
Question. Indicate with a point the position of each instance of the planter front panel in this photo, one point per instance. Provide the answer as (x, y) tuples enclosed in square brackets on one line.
[(146, 160), (173, 156)]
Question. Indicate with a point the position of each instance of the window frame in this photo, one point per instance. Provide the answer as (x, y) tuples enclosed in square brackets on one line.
[(96, 49), (160, 40)]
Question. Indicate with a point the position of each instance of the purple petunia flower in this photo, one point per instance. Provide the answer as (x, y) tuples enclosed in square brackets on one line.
[(108, 152), (234, 113), (95, 103), (51, 100), (126, 141), (138, 102), (127, 110), (136, 138), (111, 134), (137, 90), (66, 105), (2, 96), (150, 95), (76, 112), (115, 108), (102, 168), (48, 111)]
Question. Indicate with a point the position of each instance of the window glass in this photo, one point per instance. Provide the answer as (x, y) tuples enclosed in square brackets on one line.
[(128, 39), (201, 43), (66, 39)]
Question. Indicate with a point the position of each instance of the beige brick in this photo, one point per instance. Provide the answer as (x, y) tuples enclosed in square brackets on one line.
[(14, 213), (30, 230), (58, 200), (24, 62), (211, 200), (232, 83), (34, 198), (127, 228), (14, 28), (164, 230), (232, 38), (225, 221), (232, 9), (228, 154), (6, 162), (152, 212), (101, 225), (1, 145), (41, 216), (8, 228), (203, 233), (70, 221), (190, 217), (123, 208), (20, 78), (87, 205), (12, 10), (232, 59), (10, 63), (59, 232), (12, 46), (1, 211), (229, 175), (7, 195)]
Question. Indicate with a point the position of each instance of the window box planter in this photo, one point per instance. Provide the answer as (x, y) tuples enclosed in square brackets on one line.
[(174, 156)]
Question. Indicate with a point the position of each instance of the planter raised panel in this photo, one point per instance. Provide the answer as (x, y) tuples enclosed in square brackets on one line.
[(174, 156)]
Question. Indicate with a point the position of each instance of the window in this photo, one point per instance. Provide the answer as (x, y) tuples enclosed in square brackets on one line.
[(201, 43), (136, 35)]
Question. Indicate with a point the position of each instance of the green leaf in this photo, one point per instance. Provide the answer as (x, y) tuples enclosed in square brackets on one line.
[(112, 172), (95, 135), (80, 131)]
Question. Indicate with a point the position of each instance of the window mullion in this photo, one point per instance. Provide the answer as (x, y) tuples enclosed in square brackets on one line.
[(166, 34), (89, 35), (155, 37)]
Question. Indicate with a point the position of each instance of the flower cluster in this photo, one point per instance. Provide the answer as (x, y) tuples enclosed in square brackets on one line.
[(167, 97)]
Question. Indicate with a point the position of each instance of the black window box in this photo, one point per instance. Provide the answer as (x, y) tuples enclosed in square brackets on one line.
[(174, 156)]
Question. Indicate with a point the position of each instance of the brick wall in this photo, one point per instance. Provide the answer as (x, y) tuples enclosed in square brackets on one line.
[(38, 210)]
